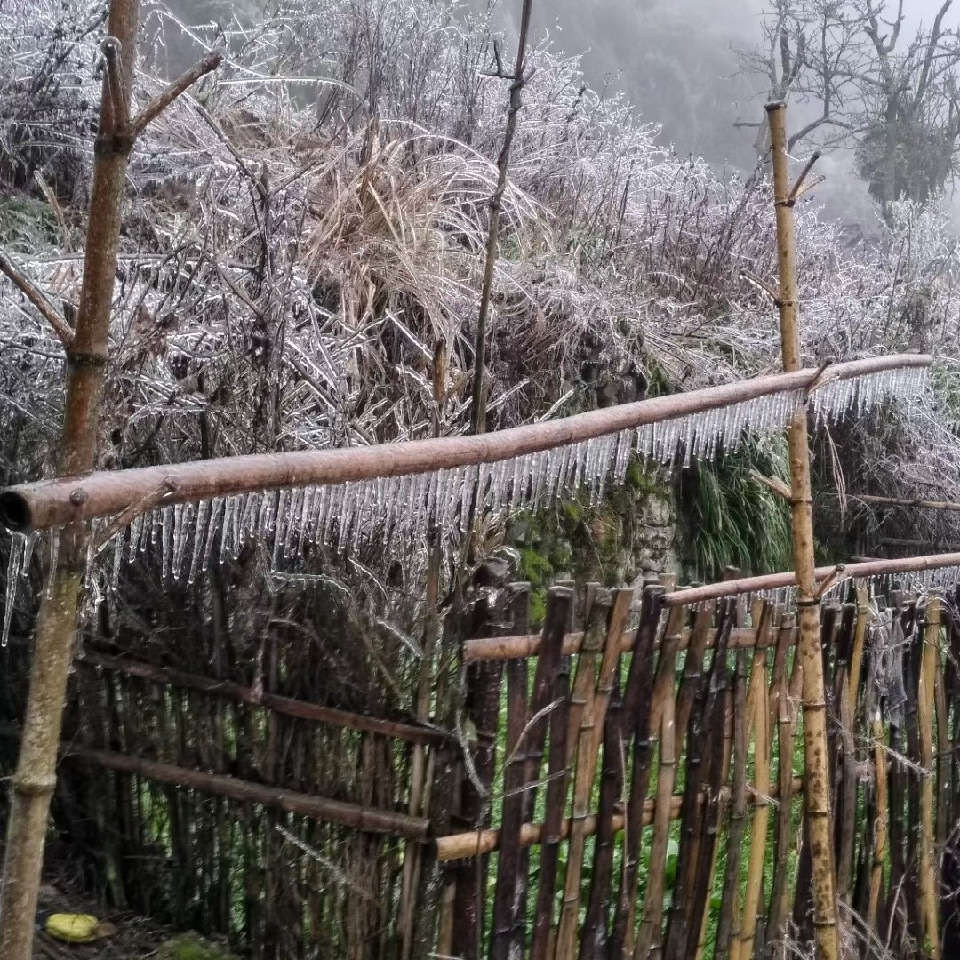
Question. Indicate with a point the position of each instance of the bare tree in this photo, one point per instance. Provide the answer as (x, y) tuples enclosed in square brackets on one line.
[(870, 86)]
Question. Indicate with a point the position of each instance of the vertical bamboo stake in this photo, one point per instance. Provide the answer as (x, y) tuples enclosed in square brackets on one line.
[(944, 823), (730, 903), (593, 934), (929, 887), (845, 777), (559, 602), (553, 814), (484, 681), (816, 775), (786, 714), (758, 841), (511, 818), (880, 813), (638, 709), (651, 929), (704, 761), (590, 737), (716, 772)]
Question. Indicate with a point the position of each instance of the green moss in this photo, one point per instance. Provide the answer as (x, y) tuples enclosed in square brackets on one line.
[(26, 223), (191, 946), (606, 541)]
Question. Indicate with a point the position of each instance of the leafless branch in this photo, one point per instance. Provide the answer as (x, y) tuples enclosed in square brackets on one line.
[(179, 86), (39, 301)]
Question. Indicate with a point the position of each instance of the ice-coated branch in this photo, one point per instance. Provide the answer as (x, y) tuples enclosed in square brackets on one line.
[(36, 297), (797, 190), (177, 88)]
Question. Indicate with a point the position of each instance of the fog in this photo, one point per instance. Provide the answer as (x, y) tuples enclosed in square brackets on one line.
[(676, 61)]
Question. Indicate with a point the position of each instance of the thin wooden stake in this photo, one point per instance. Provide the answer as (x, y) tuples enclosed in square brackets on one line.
[(638, 706), (484, 681), (511, 819), (553, 814), (816, 770), (651, 928), (788, 698), (929, 884), (590, 737), (758, 840), (559, 603), (727, 925)]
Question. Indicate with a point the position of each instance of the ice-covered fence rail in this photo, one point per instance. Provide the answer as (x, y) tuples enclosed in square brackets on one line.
[(947, 564), (546, 456)]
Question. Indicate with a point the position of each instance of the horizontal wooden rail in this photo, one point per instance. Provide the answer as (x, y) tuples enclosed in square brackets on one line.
[(282, 705), (517, 648), (837, 574), (459, 846), (900, 502), (353, 815), (54, 503)]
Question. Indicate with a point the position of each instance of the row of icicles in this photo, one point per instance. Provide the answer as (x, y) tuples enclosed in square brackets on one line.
[(187, 538)]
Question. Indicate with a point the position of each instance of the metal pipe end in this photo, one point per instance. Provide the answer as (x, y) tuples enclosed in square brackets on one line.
[(15, 511)]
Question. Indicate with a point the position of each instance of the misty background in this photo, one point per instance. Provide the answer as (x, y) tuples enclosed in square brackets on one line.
[(676, 61)]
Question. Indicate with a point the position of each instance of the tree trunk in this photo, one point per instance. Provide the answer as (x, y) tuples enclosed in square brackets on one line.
[(35, 777)]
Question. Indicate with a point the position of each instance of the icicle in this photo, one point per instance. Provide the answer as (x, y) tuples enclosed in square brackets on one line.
[(117, 560), (199, 535), (14, 566), (167, 523), (54, 560), (182, 517), (28, 547)]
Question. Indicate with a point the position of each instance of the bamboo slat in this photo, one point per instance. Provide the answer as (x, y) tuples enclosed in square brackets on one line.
[(554, 824), (728, 921), (591, 731), (651, 927), (319, 808), (928, 881), (505, 906), (638, 706), (483, 708), (787, 707), (752, 906)]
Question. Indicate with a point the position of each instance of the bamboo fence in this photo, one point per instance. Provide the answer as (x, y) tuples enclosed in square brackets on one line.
[(674, 828)]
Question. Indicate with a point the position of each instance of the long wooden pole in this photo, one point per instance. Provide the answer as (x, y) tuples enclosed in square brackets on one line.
[(901, 502), (54, 503), (816, 768), (837, 574), (399, 730), (368, 819), (458, 846)]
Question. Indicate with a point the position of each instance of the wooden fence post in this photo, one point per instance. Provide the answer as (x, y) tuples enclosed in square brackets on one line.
[(816, 766), (928, 882)]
